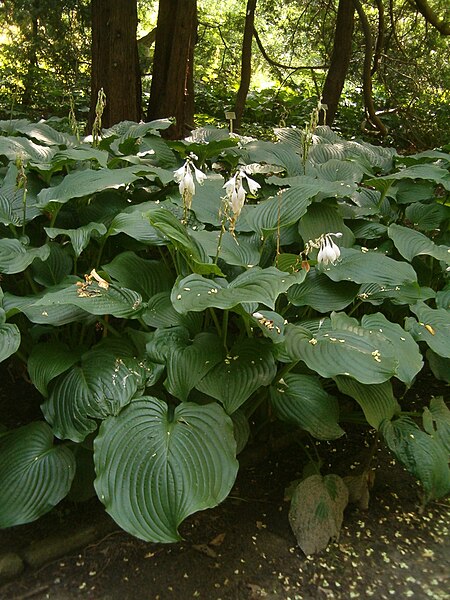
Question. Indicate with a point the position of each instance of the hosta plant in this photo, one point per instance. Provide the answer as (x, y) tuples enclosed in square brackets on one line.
[(165, 295)]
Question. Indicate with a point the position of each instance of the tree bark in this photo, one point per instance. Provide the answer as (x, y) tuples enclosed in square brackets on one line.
[(172, 89), (340, 60), (246, 62), (367, 75), (425, 9), (115, 61), (30, 77)]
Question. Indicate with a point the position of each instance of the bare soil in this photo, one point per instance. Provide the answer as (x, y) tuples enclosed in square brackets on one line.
[(244, 549)]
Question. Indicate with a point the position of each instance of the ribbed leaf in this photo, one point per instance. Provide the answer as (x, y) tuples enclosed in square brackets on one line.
[(115, 301), (249, 366), (147, 277), (377, 401), (323, 218), (155, 468), (407, 293), (80, 237), (240, 250), (34, 474), (412, 243), (54, 269), (322, 294), (407, 351), (423, 455), (100, 386), (160, 313), (195, 293), (433, 327), (134, 223), (189, 362), (300, 399), (165, 222), (369, 267), (9, 340), (16, 257), (12, 147), (427, 217), (340, 170), (436, 421), (85, 183), (241, 428), (368, 357), (48, 315), (47, 361)]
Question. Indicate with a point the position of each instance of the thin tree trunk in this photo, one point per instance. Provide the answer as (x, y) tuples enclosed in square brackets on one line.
[(340, 60), (29, 79), (172, 89), (367, 76), (115, 61), (246, 62)]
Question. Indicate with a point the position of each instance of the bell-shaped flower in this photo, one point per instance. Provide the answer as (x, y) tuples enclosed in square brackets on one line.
[(236, 192), (185, 179), (329, 252)]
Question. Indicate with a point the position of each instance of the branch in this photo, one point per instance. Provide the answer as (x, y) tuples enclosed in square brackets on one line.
[(367, 77), (380, 37), (425, 10), (278, 65), (149, 39)]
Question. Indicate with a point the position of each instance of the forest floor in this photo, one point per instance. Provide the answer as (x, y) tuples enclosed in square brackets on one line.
[(244, 549)]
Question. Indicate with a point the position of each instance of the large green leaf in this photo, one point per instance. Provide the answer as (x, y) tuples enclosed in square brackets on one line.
[(367, 357), (34, 474), (55, 268), (406, 293), (248, 367), (79, 237), (9, 340), (412, 243), (15, 256), (410, 360), (85, 183), (432, 327), (317, 511), (47, 361), (364, 266), (115, 301), (436, 421), (195, 293), (160, 313), (155, 466), (423, 455), (165, 222), (420, 171), (12, 147), (323, 218), (101, 385), (239, 250), (427, 217), (300, 399), (377, 401), (189, 361), (147, 277), (134, 223), (322, 294), (48, 315)]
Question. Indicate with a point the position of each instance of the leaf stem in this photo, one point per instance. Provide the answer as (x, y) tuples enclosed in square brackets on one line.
[(212, 312)]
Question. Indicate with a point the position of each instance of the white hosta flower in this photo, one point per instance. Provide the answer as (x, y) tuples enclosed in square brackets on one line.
[(329, 252), (236, 192), (184, 176)]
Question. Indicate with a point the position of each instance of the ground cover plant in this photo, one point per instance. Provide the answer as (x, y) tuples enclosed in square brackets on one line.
[(170, 299)]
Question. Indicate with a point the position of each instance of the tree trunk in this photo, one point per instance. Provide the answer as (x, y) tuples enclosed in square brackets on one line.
[(172, 89), (246, 62), (29, 80), (340, 60), (115, 61)]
